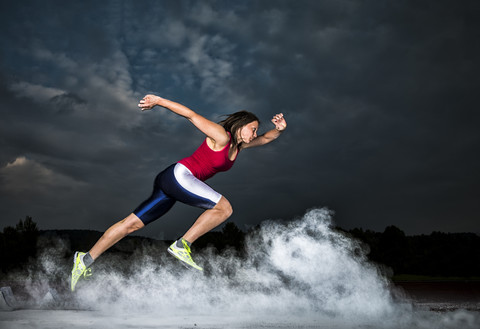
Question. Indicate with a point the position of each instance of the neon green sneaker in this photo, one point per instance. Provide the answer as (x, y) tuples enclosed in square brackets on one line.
[(79, 269), (183, 254)]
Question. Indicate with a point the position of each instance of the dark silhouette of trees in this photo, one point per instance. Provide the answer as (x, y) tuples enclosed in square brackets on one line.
[(448, 254), (437, 254), (393, 249), (18, 244), (230, 237)]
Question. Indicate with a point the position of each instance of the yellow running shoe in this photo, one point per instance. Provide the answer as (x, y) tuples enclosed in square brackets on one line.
[(183, 254), (79, 269)]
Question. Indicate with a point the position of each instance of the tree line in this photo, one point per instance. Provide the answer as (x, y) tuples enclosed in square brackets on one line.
[(18, 244), (437, 254)]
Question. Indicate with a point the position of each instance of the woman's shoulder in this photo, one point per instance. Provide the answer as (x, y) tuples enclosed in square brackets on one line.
[(215, 145)]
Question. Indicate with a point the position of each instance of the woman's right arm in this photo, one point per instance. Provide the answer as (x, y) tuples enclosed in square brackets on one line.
[(213, 130)]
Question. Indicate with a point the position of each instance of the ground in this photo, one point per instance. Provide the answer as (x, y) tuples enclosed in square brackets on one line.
[(435, 305)]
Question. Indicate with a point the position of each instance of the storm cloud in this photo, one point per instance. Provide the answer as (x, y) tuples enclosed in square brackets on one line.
[(379, 98)]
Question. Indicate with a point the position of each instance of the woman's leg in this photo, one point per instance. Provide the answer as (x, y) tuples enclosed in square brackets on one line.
[(82, 261), (209, 219), (148, 211), (115, 233)]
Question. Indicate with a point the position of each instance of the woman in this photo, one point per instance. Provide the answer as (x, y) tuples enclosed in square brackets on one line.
[(184, 181)]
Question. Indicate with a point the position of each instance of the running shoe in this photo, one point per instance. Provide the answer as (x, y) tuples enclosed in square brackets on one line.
[(79, 269), (183, 254)]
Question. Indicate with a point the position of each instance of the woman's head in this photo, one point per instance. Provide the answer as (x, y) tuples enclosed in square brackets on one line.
[(242, 126)]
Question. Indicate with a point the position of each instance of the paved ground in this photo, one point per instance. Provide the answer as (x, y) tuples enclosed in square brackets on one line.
[(443, 296), (61, 319), (435, 305)]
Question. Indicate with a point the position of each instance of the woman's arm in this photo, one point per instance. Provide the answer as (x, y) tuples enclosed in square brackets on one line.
[(213, 130), (280, 125)]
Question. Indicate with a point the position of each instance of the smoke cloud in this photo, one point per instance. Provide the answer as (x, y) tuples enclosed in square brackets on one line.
[(299, 273)]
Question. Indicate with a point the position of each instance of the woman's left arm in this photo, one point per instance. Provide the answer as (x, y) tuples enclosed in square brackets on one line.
[(280, 125)]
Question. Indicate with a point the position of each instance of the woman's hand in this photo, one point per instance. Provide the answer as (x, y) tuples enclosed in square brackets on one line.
[(148, 102), (279, 122), (280, 125)]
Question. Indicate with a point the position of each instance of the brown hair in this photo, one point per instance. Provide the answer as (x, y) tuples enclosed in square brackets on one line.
[(236, 121)]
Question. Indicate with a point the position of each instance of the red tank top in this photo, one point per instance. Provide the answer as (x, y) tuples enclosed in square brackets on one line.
[(205, 162)]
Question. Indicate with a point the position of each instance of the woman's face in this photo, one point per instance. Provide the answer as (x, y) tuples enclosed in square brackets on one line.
[(248, 132)]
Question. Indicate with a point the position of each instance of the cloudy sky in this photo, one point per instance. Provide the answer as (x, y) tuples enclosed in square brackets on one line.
[(380, 99)]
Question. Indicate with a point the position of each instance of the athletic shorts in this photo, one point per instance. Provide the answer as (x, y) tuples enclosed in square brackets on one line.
[(176, 183)]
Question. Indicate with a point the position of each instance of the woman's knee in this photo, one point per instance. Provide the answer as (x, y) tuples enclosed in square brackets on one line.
[(132, 223), (225, 206)]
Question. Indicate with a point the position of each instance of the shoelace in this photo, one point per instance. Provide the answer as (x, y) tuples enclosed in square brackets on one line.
[(87, 273)]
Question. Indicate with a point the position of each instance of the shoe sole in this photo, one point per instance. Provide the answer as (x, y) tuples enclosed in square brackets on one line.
[(71, 275)]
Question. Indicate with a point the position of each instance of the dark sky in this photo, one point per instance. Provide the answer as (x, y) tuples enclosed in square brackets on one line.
[(381, 100)]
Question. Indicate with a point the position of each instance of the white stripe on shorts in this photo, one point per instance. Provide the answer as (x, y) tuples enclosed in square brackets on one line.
[(194, 185)]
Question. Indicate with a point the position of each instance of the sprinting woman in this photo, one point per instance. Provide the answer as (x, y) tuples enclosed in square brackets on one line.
[(184, 181)]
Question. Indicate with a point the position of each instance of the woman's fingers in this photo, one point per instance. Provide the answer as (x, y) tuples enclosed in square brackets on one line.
[(279, 121), (145, 103)]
